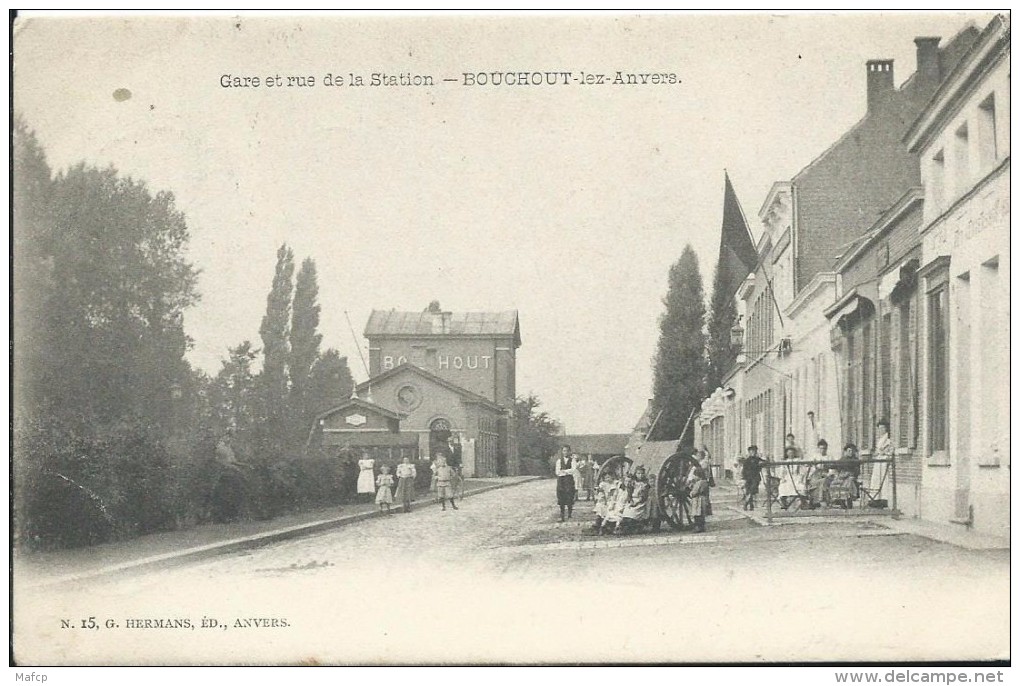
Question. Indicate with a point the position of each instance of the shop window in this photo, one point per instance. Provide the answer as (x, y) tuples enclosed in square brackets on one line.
[(938, 369), (885, 367), (850, 387), (907, 401), (867, 417)]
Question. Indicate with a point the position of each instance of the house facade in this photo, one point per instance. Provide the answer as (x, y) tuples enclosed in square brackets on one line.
[(963, 140), (873, 331), (838, 255)]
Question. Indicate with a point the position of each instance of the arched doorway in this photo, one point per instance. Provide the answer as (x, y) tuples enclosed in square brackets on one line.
[(440, 435)]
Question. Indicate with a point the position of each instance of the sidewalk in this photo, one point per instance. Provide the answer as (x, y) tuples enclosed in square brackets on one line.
[(189, 545), (952, 534)]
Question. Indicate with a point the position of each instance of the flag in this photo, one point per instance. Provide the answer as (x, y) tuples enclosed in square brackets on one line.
[(737, 254)]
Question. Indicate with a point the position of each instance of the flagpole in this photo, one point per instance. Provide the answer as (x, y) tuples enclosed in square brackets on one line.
[(758, 262)]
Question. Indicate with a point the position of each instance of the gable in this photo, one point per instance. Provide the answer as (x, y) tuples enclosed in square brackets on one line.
[(358, 415), (408, 371), (410, 392)]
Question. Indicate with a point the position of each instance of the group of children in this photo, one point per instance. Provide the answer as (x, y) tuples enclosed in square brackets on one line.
[(446, 483), (623, 504)]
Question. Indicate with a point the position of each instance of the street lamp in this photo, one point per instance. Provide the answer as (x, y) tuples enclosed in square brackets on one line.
[(737, 336)]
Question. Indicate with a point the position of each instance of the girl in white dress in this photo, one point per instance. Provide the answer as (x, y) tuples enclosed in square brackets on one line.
[(406, 474), (384, 496)]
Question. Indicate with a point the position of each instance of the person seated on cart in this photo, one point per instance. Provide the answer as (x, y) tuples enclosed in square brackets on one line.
[(636, 506), (616, 501), (605, 494)]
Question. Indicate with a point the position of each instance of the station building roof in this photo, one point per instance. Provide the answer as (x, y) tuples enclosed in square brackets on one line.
[(395, 323)]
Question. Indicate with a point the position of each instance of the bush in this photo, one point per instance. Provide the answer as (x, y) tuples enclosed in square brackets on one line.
[(531, 466), (86, 485)]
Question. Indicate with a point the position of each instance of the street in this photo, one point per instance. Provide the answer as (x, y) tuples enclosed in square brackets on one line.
[(501, 580)]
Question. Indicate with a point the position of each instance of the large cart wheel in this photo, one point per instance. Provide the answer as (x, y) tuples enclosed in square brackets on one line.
[(618, 466), (674, 497)]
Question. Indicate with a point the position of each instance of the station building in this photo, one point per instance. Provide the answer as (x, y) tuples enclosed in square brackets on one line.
[(438, 382)]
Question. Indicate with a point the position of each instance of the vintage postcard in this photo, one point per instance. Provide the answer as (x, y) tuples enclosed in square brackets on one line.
[(511, 339)]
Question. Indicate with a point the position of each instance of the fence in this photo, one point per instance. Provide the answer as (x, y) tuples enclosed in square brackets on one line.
[(826, 481)]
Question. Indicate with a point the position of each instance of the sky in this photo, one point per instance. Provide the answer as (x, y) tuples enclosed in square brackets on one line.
[(566, 203)]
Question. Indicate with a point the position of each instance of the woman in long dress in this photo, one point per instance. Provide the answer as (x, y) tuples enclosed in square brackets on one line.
[(366, 476), (406, 474), (884, 450), (566, 490)]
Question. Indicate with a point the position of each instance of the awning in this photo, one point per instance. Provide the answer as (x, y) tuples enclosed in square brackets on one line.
[(853, 306), (907, 280)]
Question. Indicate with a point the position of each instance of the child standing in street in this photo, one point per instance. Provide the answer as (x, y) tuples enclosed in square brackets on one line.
[(384, 496), (444, 481), (603, 494)]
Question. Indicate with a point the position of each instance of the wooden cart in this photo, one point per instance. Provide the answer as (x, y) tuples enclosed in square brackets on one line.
[(667, 471)]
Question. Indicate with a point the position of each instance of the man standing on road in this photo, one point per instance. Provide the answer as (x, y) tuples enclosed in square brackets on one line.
[(566, 489)]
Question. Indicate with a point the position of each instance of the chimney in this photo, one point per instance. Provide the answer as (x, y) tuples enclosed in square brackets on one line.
[(929, 68), (880, 82)]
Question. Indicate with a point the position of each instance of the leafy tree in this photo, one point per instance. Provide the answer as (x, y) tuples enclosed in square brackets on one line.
[(680, 363), (723, 315), (235, 392), (32, 272), (101, 383), (536, 431), (275, 331), (304, 337), (329, 384), (120, 286)]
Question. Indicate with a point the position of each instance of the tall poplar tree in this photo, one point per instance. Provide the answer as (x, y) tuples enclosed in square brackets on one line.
[(721, 319), (304, 335), (275, 330), (680, 362)]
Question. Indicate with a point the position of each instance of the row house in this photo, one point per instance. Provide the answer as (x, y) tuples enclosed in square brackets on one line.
[(874, 336), (962, 139), (791, 377)]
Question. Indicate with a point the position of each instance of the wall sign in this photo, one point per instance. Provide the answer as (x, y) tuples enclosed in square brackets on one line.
[(445, 361)]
